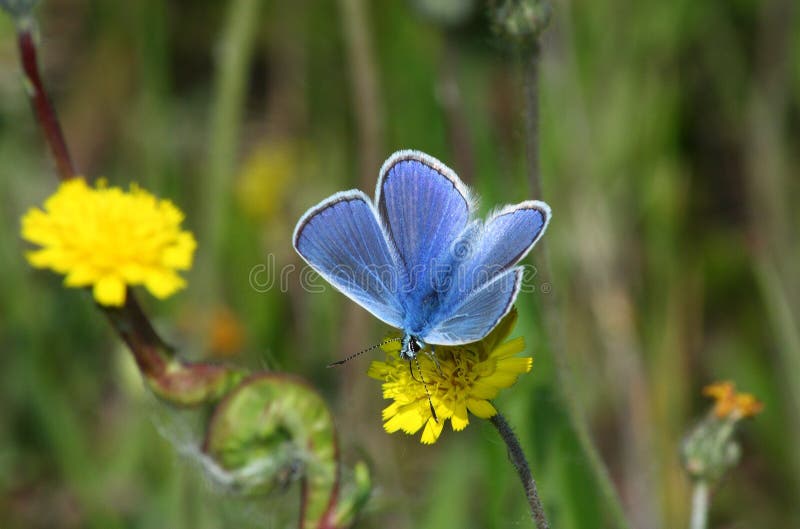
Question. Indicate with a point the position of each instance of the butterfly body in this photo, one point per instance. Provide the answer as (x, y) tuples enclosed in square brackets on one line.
[(410, 345), (415, 258)]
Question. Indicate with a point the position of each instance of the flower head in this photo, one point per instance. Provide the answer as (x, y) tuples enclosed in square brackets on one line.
[(460, 379), (710, 448), (731, 404), (108, 238), (265, 177)]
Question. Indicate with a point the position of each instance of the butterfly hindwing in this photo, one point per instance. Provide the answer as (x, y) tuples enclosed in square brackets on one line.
[(475, 315), (506, 239), (342, 239)]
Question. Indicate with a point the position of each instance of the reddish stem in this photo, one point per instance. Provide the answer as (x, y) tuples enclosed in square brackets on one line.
[(42, 106), (181, 383), (135, 329)]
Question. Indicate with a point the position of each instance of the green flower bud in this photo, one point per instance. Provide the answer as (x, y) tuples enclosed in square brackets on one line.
[(18, 8), (709, 450), (520, 21), (448, 13)]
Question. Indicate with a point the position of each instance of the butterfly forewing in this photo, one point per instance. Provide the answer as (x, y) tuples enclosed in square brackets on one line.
[(424, 207), (343, 241)]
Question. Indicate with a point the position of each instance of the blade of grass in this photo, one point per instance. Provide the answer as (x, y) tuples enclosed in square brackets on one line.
[(233, 54)]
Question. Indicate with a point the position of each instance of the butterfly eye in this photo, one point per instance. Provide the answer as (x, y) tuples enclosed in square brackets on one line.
[(414, 345)]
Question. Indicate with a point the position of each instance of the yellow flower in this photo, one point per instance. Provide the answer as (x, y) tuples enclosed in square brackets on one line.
[(466, 379), (108, 238), (265, 177), (728, 403)]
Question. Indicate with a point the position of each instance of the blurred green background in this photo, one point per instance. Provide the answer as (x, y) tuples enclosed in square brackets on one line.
[(669, 146)]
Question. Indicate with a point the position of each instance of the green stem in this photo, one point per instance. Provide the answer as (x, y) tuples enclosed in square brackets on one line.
[(553, 323), (517, 457), (699, 505)]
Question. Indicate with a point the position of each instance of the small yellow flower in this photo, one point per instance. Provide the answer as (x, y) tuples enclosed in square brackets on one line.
[(728, 403), (108, 238), (466, 379), (265, 177)]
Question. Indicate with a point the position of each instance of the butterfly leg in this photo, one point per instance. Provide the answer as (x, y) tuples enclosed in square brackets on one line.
[(432, 356), (411, 370)]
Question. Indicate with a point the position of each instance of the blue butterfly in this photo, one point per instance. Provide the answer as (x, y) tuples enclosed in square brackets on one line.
[(415, 258)]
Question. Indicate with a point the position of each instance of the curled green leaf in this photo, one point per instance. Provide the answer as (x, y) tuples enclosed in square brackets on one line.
[(270, 429)]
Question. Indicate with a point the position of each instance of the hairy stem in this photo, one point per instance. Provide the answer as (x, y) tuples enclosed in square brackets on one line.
[(517, 457), (531, 59), (531, 63), (699, 505)]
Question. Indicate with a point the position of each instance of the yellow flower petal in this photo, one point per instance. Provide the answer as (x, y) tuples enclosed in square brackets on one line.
[(459, 420), (390, 411), (729, 403), (39, 258), (393, 424), (407, 419), (747, 405), (163, 284), (509, 349), (516, 365), (432, 431), (484, 390), (481, 408), (504, 379), (179, 255), (378, 370), (80, 276), (110, 291)]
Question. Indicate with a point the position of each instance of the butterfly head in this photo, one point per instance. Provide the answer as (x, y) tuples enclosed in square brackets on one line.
[(409, 347)]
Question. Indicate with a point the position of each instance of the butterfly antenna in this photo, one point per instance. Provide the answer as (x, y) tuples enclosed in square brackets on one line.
[(427, 392), (368, 349)]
